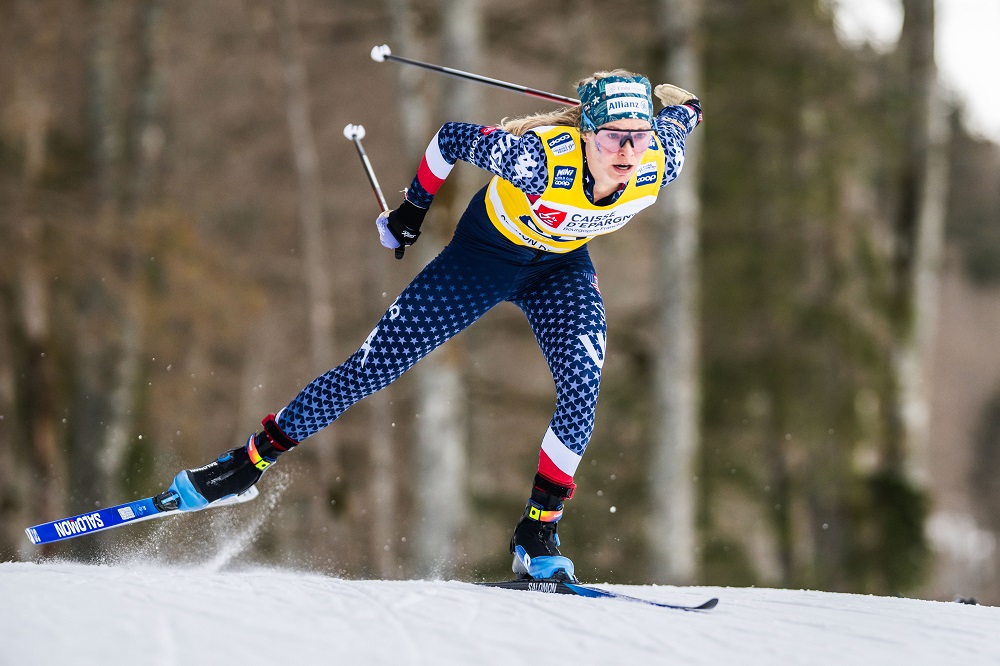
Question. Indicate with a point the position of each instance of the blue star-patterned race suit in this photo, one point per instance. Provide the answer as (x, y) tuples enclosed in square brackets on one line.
[(480, 268)]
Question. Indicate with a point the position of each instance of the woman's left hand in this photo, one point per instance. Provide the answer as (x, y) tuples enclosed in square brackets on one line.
[(671, 95)]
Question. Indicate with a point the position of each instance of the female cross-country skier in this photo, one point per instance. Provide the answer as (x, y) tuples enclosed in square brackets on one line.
[(559, 180)]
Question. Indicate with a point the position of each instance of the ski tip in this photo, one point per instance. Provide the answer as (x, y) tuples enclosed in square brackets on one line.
[(708, 605)]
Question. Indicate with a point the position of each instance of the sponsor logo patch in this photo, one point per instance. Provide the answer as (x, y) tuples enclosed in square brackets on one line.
[(488, 130), (563, 177), (617, 107), (645, 174), (543, 586), (593, 282), (550, 216), (561, 143), (78, 525), (596, 352), (624, 88)]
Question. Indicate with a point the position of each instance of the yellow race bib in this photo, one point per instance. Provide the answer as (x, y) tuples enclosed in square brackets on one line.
[(562, 218)]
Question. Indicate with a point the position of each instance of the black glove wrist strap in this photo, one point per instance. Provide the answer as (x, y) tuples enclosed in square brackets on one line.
[(404, 222)]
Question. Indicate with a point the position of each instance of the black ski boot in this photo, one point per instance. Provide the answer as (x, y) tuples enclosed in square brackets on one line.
[(234, 471), (535, 544)]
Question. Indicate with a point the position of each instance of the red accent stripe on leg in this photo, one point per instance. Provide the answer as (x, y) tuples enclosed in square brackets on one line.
[(548, 469)]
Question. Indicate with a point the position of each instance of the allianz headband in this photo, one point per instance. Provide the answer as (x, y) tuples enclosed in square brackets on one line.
[(614, 98)]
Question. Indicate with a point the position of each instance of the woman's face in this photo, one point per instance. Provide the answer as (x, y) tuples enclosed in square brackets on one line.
[(612, 164)]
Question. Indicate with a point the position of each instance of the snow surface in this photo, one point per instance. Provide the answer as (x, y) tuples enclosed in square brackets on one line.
[(67, 613)]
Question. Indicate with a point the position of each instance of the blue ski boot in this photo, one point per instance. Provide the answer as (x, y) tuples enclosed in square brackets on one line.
[(535, 544), (234, 471)]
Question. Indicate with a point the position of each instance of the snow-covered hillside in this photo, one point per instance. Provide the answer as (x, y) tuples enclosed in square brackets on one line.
[(55, 613)]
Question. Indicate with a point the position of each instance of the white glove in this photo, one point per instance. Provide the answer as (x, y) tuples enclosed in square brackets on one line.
[(671, 95), (384, 235)]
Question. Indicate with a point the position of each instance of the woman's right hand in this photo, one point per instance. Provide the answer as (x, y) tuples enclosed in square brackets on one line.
[(384, 235), (400, 227)]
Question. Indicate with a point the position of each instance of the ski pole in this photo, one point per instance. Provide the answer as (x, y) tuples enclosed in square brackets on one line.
[(383, 53), (355, 133)]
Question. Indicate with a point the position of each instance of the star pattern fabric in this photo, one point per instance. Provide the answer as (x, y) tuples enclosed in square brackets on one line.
[(557, 293)]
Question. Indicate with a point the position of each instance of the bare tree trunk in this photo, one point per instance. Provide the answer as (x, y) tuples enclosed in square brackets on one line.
[(442, 465), (413, 111), (13, 507), (33, 481), (317, 276), (121, 398), (110, 332), (146, 143), (103, 111), (920, 234), (148, 135), (673, 533), (38, 382), (385, 473), (321, 312), (383, 492)]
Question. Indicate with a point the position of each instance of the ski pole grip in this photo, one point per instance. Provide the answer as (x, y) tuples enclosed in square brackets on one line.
[(354, 134), (354, 131)]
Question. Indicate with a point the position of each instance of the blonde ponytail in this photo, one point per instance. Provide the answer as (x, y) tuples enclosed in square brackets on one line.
[(569, 116)]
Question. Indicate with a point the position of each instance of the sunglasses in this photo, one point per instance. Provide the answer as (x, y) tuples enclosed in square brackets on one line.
[(614, 140)]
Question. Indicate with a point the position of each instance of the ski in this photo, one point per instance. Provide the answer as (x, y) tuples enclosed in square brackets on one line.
[(549, 586), (164, 504)]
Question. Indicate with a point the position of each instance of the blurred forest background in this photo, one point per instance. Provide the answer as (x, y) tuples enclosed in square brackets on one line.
[(802, 386)]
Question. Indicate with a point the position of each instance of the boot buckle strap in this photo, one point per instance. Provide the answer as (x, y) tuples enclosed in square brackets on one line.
[(541, 515), (258, 461)]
